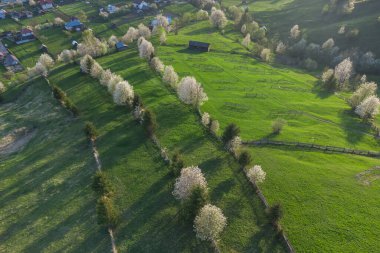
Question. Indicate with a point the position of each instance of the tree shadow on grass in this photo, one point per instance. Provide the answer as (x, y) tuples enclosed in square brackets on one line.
[(354, 128)]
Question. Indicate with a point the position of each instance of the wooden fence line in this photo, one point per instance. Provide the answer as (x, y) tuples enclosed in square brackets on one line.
[(313, 146)]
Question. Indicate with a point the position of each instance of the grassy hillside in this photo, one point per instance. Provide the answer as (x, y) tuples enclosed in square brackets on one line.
[(253, 94), (327, 198), (47, 204)]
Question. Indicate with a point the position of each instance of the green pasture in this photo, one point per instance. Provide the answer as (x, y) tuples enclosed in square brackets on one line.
[(8, 25), (330, 201), (47, 204), (253, 94)]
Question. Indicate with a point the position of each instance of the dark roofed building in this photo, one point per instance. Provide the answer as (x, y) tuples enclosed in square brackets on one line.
[(120, 46), (202, 46), (10, 60)]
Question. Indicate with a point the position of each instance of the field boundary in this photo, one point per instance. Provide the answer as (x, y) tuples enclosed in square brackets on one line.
[(303, 145)]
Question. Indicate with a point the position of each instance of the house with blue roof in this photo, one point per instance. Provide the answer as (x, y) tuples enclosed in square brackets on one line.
[(74, 25)]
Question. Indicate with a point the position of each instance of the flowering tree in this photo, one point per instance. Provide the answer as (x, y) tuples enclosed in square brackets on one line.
[(369, 108), (123, 93), (256, 174), (91, 45), (218, 19), (96, 70), (205, 119), (209, 223), (364, 91), (163, 22), (157, 65), (113, 81), (86, 63), (247, 40), (170, 76), (131, 35), (329, 44), (202, 15), (67, 55), (144, 31), (146, 49), (105, 77), (46, 61), (281, 48), (343, 72), (190, 178), (295, 32), (266, 55), (234, 144), (58, 21), (162, 38), (214, 127), (191, 92), (112, 40)]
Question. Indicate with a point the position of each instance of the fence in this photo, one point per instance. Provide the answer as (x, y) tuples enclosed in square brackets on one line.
[(329, 149)]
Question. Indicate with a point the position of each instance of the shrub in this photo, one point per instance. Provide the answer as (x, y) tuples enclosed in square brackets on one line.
[(230, 132), (107, 213), (275, 213), (102, 185), (244, 159), (278, 125), (149, 123), (90, 130)]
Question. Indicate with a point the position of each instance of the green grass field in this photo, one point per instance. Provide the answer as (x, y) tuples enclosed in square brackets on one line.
[(47, 204), (252, 94)]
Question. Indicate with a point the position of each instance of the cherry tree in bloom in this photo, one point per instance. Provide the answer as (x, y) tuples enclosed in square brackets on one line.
[(96, 70), (131, 35), (281, 48), (163, 22), (162, 38), (205, 119), (105, 77), (112, 40), (144, 31), (214, 127), (295, 32), (67, 55), (86, 63), (146, 49), (343, 72), (246, 41), (365, 90), (170, 76), (191, 92), (123, 93), (202, 15), (46, 61), (369, 108), (256, 174), (209, 223), (157, 65), (218, 19), (115, 79), (190, 178), (234, 145)]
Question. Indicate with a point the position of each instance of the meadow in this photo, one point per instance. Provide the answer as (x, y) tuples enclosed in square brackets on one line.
[(252, 94)]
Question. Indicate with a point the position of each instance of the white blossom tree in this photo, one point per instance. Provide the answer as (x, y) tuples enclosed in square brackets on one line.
[(218, 19), (170, 76), (246, 41), (113, 81), (58, 21), (91, 45), (266, 55), (202, 15), (343, 72), (234, 145), (105, 77), (162, 38), (365, 90), (327, 76), (163, 22), (191, 92), (295, 32), (146, 49), (38, 69), (214, 127), (112, 40), (96, 70), (369, 108), (46, 61), (67, 55), (329, 44), (144, 31), (205, 119), (209, 223), (123, 93), (131, 35), (86, 63), (157, 65), (281, 48), (256, 174), (190, 178)]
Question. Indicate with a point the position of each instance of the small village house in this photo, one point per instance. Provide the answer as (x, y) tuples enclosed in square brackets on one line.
[(46, 4), (25, 35), (74, 25), (120, 46), (3, 14), (10, 60)]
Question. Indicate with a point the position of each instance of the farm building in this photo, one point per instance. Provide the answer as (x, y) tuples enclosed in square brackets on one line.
[(3, 14), (25, 35), (140, 5), (120, 46), (201, 46), (111, 9), (74, 25), (46, 4)]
